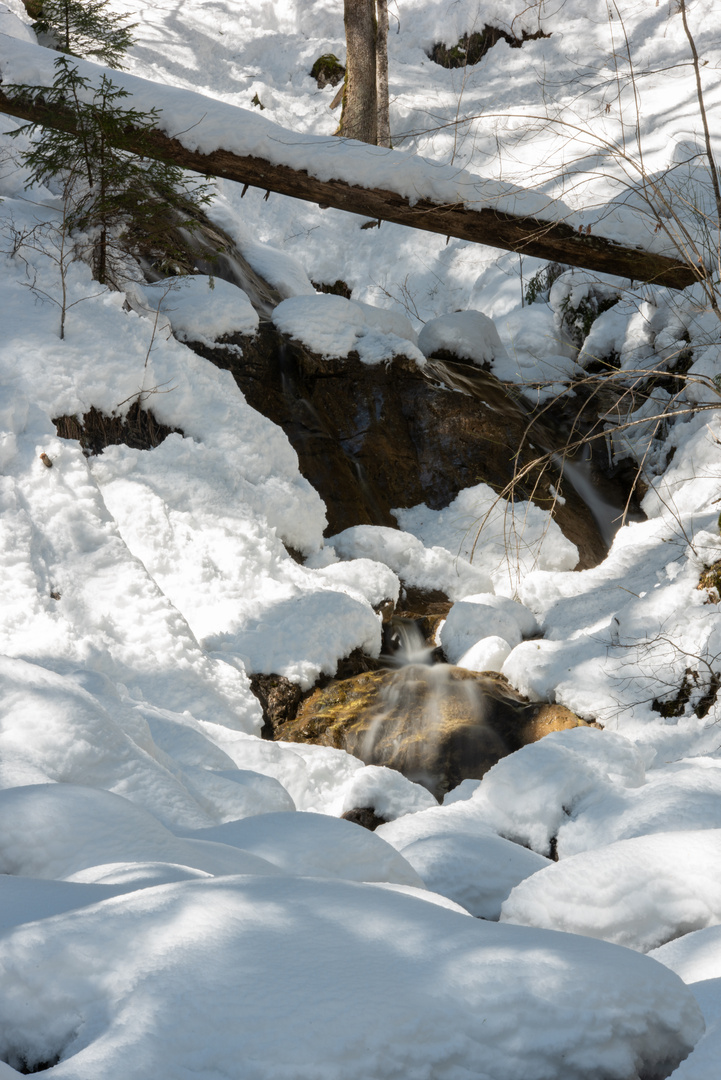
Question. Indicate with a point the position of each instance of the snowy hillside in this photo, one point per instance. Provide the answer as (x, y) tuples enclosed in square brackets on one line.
[(179, 896)]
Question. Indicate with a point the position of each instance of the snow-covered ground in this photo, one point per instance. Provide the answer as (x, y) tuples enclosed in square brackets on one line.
[(178, 896)]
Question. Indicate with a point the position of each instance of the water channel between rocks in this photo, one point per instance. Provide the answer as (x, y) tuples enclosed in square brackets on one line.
[(436, 723), (373, 437)]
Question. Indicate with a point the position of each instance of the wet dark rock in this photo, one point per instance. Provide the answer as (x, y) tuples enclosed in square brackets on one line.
[(279, 699), (139, 428), (371, 438), (425, 627), (336, 288), (365, 816), (419, 603), (437, 725)]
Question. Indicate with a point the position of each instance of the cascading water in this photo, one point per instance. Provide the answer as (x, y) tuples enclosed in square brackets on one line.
[(225, 261), (605, 501), (436, 723), (405, 644)]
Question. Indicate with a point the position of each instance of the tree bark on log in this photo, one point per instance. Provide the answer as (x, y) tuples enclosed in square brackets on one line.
[(553, 241)]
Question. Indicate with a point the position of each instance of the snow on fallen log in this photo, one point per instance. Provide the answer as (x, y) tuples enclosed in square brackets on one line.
[(221, 139)]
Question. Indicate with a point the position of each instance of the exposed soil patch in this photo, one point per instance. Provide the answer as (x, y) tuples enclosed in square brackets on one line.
[(472, 47), (138, 428), (675, 704), (336, 288)]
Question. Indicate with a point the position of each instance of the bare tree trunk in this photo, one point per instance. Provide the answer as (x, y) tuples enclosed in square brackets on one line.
[(359, 118), (384, 127)]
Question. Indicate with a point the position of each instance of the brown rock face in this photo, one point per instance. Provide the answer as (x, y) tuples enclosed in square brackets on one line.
[(370, 438), (436, 724)]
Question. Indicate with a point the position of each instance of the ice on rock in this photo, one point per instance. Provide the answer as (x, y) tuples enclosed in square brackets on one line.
[(440, 992), (639, 893)]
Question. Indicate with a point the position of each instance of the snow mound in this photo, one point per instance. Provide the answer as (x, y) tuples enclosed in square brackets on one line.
[(277, 267), (506, 541), (333, 327), (56, 830), (532, 794), (14, 22), (302, 636), (469, 335), (639, 893), (387, 792), (678, 796), (414, 563), (441, 993), (488, 654), (317, 845), (200, 308), (458, 856), (485, 615), (696, 958)]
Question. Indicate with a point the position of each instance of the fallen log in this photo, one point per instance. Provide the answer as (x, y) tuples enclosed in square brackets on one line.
[(550, 240)]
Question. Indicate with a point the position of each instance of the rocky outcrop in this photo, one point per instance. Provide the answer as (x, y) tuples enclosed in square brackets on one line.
[(371, 438), (437, 724)]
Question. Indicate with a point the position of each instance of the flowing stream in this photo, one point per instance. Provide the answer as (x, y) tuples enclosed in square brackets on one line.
[(604, 499), (434, 722)]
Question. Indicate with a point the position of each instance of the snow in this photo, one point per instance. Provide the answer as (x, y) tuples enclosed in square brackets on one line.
[(314, 845), (639, 893), (126, 964), (485, 616), (481, 533), (204, 125), (202, 309), (179, 895), (333, 326), (13, 23), (695, 957), (388, 793), (457, 855), (469, 335)]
